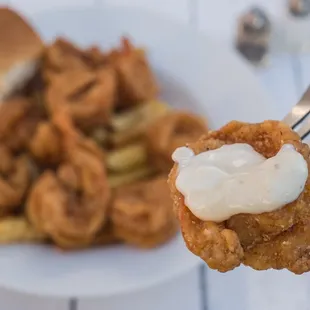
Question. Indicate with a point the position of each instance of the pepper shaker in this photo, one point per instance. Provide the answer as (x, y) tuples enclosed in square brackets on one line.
[(299, 8), (253, 35)]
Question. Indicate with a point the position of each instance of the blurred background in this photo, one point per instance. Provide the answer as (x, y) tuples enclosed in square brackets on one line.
[(285, 73)]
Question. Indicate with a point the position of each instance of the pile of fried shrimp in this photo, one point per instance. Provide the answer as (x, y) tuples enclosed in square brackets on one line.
[(85, 151)]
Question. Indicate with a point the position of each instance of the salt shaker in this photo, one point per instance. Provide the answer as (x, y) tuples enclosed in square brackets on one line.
[(253, 35), (299, 8)]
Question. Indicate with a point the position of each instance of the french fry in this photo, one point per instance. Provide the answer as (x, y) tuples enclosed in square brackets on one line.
[(119, 179), (127, 158), (18, 230), (142, 113), (130, 125)]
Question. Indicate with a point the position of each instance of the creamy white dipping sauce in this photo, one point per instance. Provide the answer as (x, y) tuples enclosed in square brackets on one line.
[(234, 179)]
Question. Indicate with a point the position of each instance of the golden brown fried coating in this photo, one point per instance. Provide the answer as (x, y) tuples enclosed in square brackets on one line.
[(15, 179), (170, 132), (289, 250), (142, 213), (90, 98), (63, 55), (226, 245), (71, 83), (19, 118), (95, 57), (83, 81), (45, 145), (136, 81), (70, 205)]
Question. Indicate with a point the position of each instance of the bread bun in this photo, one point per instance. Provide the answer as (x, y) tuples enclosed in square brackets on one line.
[(20, 49)]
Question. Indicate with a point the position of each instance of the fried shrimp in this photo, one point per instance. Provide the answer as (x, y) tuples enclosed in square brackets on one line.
[(18, 121), (169, 132), (62, 55), (70, 205), (45, 145), (266, 240), (89, 99), (136, 82), (15, 180), (142, 213), (289, 249)]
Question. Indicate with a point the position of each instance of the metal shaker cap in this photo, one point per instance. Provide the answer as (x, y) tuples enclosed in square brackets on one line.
[(255, 21)]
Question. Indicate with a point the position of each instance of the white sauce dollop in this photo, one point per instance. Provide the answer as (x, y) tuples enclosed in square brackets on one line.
[(234, 179)]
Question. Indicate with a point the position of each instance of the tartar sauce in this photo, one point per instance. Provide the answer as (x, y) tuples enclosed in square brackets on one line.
[(234, 179)]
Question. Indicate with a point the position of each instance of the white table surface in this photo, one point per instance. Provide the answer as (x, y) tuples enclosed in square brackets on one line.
[(285, 78)]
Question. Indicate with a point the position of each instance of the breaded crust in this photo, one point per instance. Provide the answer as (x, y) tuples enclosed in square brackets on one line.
[(226, 245)]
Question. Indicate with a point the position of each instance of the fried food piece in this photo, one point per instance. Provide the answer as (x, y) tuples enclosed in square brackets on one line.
[(95, 57), (289, 250), (71, 83), (89, 99), (63, 55), (19, 118), (45, 145), (80, 80), (70, 205), (142, 213), (18, 230), (170, 132), (245, 238), (95, 106), (15, 179), (136, 81)]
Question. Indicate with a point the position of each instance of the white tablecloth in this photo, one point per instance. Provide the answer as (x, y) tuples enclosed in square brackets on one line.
[(285, 78)]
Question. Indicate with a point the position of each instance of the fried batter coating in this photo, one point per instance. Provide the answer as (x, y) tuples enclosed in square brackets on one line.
[(290, 250), (19, 118), (170, 132), (63, 55), (15, 179), (83, 81), (89, 99), (136, 81), (95, 57), (45, 145), (71, 83), (226, 245), (142, 213), (70, 205)]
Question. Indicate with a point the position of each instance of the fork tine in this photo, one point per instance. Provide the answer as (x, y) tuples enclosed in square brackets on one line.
[(304, 130), (300, 111)]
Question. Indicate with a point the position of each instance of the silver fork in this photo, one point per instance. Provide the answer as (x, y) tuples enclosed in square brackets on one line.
[(298, 114)]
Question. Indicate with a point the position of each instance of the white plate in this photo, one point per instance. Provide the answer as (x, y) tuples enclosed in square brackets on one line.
[(196, 73)]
